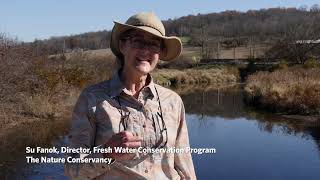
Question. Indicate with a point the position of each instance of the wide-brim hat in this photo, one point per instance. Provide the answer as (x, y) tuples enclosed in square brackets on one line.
[(147, 22)]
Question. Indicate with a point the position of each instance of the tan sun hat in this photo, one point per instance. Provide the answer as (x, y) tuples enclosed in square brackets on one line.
[(150, 23)]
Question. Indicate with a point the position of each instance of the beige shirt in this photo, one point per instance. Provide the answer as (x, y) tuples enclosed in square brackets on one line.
[(97, 116)]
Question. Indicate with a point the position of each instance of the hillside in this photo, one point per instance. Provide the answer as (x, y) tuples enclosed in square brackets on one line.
[(229, 28)]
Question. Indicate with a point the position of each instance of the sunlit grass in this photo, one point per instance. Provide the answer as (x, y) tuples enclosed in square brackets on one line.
[(294, 90), (195, 76)]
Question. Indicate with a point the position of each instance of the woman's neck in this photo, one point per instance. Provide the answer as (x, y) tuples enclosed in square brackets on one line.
[(133, 82)]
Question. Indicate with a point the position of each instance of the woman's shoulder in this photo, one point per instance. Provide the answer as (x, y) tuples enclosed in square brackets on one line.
[(166, 93), (97, 91)]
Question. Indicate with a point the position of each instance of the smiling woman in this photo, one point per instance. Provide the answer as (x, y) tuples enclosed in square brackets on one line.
[(141, 53), (131, 111)]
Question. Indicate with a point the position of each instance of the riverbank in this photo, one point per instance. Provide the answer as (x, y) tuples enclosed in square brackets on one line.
[(293, 90), (204, 76)]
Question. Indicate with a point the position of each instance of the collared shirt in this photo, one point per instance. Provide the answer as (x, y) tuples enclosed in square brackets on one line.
[(97, 116)]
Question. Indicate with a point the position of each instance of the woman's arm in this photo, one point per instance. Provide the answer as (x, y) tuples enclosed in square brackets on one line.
[(82, 134), (183, 161)]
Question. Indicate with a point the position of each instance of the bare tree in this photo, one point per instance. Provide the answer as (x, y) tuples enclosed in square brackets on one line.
[(315, 8), (298, 43)]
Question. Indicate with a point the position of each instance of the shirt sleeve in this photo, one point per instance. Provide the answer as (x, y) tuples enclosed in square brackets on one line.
[(183, 163), (82, 134)]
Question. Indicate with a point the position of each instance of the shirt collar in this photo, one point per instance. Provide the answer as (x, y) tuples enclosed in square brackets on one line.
[(117, 87), (150, 87)]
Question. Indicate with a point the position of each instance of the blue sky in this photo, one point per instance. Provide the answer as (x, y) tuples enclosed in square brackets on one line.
[(42, 19)]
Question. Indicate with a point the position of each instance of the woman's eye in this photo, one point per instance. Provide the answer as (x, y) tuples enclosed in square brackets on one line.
[(140, 42)]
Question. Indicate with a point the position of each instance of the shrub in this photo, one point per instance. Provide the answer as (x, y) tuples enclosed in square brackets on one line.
[(311, 63)]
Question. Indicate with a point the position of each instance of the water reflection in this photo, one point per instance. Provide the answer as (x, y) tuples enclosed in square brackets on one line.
[(223, 101), (250, 144), (13, 145), (227, 102), (244, 151)]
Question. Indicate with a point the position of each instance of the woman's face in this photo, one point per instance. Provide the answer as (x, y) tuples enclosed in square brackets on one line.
[(141, 52)]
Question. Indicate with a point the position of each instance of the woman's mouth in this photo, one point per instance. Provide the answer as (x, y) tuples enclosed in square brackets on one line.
[(142, 60)]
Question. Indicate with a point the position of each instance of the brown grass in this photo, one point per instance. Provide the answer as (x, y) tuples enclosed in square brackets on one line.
[(294, 90), (45, 88), (194, 76)]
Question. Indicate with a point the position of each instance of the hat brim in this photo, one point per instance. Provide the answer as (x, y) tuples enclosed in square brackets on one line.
[(173, 45)]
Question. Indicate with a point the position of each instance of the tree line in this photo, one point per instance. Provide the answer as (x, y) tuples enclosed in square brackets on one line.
[(228, 29)]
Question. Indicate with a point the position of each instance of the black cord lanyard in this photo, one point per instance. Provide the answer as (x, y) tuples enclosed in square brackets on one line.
[(124, 122), (164, 127), (124, 116)]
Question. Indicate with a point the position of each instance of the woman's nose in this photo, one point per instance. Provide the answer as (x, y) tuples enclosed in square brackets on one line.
[(144, 53)]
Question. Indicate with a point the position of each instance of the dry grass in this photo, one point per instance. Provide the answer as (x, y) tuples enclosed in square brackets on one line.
[(90, 55), (294, 90), (45, 88), (57, 83), (194, 76)]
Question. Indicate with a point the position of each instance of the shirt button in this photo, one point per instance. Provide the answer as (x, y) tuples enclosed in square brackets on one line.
[(144, 126), (146, 171)]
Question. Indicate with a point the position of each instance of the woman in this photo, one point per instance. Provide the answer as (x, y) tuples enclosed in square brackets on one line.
[(130, 110)]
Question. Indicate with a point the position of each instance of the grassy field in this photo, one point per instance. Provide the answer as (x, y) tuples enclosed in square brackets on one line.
[(293, 90), (242, 52)]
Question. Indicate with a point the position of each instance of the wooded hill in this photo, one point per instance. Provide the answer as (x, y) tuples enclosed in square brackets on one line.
[(231, 28)]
